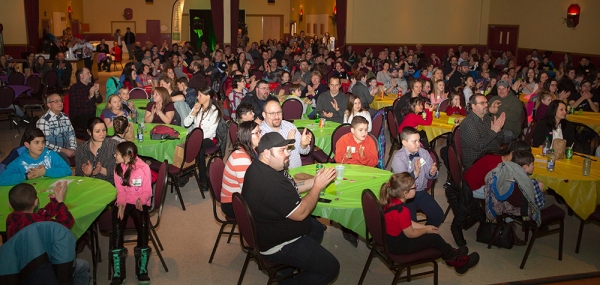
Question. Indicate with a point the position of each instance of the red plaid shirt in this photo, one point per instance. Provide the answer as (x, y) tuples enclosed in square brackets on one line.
[(79, 101), (19, 220)]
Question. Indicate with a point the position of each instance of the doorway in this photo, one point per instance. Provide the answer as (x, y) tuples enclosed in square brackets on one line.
[(264, 27), (201, 28), (503, 38), (153, 32)]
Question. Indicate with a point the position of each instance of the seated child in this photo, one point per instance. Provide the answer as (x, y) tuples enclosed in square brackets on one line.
[(113, 109), (541, 105), (121, 126), (23, 199), (525, 159), (295, 90), (185, 93), (415, 160), (356, 147), (455, 107), (413, 116), (125, 103), (404, 236), (36, 162)]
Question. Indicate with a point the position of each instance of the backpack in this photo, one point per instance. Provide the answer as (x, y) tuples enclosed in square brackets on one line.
[(113, 84), (222, 132), (162, 132)]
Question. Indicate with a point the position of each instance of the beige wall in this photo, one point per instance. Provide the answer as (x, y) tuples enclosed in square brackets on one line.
[(50, 6), (99, 14), (311, 7), (424, 21), (12, 16), (541, 26), (261, 7)]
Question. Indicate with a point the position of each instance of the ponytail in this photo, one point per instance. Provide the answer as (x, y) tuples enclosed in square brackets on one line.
[(398, 184)]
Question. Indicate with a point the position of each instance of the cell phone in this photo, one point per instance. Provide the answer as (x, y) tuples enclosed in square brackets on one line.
[(323, 200)]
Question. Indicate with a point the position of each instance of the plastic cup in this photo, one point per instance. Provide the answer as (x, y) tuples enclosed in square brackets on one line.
[(340, 172)]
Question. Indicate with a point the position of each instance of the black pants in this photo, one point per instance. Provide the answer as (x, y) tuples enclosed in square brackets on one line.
[(227, 208), (206, 143), (402, 244), (140, 219)]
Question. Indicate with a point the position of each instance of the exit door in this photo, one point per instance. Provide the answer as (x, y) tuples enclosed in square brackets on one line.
[(503, 38)]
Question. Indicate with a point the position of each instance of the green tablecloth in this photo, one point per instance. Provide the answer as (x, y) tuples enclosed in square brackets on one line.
[(347, 209), (157, 149), (307, 108), (85, 199), (140, 105), (322, 135)]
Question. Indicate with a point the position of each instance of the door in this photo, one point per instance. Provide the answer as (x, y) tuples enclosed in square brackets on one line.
[(153, 32), (503, 38), (271, 28), (75, 27)]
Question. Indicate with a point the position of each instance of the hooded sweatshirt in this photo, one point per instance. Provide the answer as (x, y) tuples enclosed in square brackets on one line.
[(140, 184), (16, 171)]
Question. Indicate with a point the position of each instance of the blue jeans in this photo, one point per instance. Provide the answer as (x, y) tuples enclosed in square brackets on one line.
[(81, 275), (318, 265), (18, 110), (428, 205)]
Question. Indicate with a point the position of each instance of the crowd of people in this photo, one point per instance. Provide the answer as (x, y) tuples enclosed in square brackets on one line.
[(199, 89)]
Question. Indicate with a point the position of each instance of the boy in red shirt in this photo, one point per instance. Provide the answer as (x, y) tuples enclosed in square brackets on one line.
[(354, 147)]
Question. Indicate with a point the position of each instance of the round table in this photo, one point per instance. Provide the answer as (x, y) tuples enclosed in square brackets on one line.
[(590, 119), (20, 89), (582, 193), (322, 135), (440, 126), (85, 199), (139, 104), (386, 101), (157, 149), (345, 207)]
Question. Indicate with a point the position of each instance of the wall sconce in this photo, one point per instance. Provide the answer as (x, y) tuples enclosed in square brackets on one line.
[(301, 14), (334, 9), (572, 19), (70, 12), (333, 16)]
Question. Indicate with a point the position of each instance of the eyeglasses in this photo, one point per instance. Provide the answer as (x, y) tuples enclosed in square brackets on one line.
[(275, 114), (482, 103), (56, 101)]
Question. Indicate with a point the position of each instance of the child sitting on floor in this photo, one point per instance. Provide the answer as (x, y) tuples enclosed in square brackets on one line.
[(23, 199), (36, 162), (404, 236), (356, 147)]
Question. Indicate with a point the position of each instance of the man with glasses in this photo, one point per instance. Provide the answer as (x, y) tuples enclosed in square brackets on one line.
[(479, 132), (259, 97), (302, 76), (274, 123), (512, 107), (332, 104), (56, 126)]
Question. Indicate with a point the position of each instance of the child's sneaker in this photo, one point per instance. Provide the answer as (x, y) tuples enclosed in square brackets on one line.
[(464, 262)]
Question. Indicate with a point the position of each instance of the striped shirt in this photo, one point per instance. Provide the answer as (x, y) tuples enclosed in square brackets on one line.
[(58, 131), (105, 155), (284, 129), (233, 175)]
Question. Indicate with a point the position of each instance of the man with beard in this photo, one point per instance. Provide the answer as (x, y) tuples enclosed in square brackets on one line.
[(83, 97), (286, 233), (274, 123)]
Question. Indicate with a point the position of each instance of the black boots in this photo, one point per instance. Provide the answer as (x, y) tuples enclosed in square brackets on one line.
[(461, 261), (118, 256), (142, 254)]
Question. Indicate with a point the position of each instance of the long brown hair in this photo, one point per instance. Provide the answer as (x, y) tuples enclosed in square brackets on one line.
[(398, 184), (350, 109), (126, 149), (164, 94)]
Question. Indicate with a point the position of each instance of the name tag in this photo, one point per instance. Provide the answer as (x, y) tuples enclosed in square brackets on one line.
[(136, 182), (351, 148)]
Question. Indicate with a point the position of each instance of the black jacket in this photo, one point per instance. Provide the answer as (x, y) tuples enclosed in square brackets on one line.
[(542, 130)]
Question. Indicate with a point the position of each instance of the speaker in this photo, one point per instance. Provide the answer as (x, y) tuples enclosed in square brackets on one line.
[(271, 1), (149, 1)]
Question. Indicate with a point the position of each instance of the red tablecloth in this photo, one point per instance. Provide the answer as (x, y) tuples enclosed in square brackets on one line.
[(20, 89)]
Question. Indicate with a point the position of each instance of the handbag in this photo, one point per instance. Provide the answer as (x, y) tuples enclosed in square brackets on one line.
[(504, 238), (162, 132)]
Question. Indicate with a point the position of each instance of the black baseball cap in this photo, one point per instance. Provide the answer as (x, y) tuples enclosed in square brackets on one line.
[(271, 140)]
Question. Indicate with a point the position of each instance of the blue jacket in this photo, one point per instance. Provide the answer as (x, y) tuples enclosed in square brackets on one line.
[(16, 171)]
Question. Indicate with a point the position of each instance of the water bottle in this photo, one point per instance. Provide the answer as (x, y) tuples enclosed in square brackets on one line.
[(546, 147), (551, 161), (140, 134), (587, 164)]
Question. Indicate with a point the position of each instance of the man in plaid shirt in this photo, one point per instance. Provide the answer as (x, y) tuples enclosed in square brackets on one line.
[(83, 97), (57, 127)]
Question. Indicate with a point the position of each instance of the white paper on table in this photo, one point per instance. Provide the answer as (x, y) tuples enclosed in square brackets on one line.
[(66, 180)]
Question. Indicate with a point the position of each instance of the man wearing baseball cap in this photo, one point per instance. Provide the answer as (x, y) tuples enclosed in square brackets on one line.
[(286, 233), (511, 106), (458, 77)]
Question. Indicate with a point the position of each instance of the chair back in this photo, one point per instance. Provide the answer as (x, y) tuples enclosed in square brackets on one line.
[(376, 125), (7, 96), (208, 80), (529, 133), (442, 105), (374, 138), (159, 191), (374, 219), (395, 103), (216, 167), (35, 83), (138, 93), (16, 78), (454, 167), (436, 161), (308, 158), (245, 222), (292, 109), (257, 74), (192, 146), (233, 129), (51, 80), (457, 142), (340, 131), (227, 106), (392, 125)]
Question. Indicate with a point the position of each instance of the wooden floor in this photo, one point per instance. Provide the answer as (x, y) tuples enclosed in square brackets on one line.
[(591, 278)]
